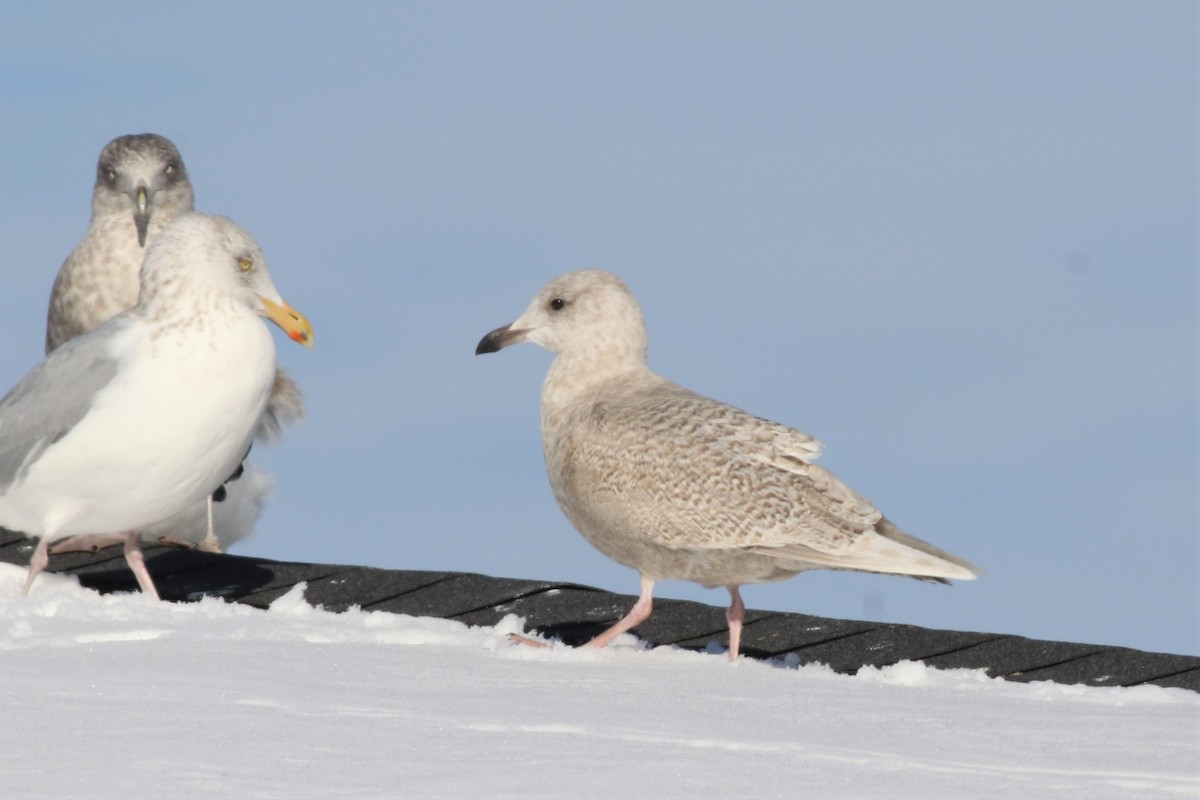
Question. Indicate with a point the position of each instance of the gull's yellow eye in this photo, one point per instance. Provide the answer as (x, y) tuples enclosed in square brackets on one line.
[(245, 263)]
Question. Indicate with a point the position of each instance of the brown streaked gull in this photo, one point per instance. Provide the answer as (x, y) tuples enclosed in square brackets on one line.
[(678, 486), (149, 412), (141, 185)]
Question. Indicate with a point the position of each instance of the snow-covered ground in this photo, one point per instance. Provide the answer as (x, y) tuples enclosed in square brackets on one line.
[(119, 696)]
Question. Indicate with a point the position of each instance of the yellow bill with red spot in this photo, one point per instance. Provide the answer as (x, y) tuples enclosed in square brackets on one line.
[(293, 323)]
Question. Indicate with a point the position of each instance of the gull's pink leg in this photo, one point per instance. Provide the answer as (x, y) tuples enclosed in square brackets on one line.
[(137, 563), (41, 557), (636, 616), (734, 615), (211, 543)]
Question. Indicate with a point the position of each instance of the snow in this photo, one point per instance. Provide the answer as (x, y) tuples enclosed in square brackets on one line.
[(118, 695)]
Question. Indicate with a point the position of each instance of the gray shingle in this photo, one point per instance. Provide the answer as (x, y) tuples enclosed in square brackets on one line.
[(575, 613)]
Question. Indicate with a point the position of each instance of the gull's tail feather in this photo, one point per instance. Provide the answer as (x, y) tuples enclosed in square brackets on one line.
[(890, 550)]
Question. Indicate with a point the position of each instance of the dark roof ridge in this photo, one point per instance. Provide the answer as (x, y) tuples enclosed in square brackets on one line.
[(575, 613)]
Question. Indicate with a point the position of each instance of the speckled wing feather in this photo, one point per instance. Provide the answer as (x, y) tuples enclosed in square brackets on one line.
[(646, 459), (97, 281), (285, 407), (693, 472)]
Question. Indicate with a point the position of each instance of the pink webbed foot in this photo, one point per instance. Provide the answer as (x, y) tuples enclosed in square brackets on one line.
[(525, 640), (636, 616)]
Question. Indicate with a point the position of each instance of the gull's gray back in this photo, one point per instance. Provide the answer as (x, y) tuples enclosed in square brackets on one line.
[(50, 401)]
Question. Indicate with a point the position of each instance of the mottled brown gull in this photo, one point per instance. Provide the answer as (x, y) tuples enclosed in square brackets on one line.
[(141, 185), (678, 486), (149, 412)]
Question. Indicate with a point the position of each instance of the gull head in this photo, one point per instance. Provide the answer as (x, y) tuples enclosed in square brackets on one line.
[(203, 256), (588, 312), (142, 175)]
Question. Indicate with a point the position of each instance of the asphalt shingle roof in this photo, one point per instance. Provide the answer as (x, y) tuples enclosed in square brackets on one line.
[(575, 613)]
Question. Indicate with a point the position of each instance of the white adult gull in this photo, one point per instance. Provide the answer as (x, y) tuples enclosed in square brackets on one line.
[(141, 184), (678, 486), (149, 412)]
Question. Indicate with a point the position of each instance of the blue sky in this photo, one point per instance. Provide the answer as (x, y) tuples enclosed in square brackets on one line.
[(955, 241)]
